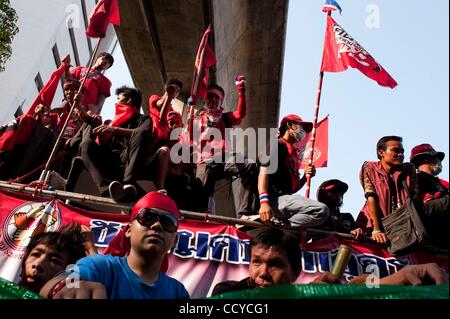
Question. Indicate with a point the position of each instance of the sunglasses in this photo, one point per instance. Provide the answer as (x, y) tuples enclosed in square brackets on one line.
[(148, 216)]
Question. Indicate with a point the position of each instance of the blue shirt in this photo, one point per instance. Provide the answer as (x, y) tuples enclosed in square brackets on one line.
[(122, 283)]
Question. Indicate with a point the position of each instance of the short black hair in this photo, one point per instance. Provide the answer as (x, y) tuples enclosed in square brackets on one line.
[(382, 143), (174, 82), (70, 239), (289, 243), (131, 93), (108, 57), (217, 87)]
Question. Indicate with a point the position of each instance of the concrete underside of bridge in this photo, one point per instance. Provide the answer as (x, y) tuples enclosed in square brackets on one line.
[(160, 40)]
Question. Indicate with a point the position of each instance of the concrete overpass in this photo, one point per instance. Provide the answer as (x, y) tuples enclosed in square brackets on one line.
[(160, 38)]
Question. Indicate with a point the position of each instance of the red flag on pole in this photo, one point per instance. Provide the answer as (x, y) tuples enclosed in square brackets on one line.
[(47, 93), (341, 51), (304, 147), (105, 12), (204, 60)]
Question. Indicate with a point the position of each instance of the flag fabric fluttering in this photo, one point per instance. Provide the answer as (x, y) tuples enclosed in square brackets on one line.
[(331, 5), (304, 147), (341, 51), (202, 69), (47, 93), (105, 12)]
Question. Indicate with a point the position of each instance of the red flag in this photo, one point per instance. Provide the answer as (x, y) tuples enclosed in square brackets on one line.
[(202, 70), (47, 93), (303, 148), (105, 12), (341, 51)]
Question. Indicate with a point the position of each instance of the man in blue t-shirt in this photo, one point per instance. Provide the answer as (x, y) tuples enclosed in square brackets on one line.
[(151, 232)]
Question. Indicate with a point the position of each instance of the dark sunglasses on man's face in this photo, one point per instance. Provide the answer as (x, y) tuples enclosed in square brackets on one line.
[(148, 216)]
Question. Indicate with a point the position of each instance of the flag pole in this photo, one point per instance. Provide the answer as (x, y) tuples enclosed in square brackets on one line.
[(45, 175), (197, 78), (314, 131)]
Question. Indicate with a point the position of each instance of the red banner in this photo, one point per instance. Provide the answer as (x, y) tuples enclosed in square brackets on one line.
[(304, 147), (342, 51), (22, 217), (204, 255), (105, 12)]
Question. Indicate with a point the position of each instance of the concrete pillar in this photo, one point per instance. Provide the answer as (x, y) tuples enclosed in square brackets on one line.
[(250, 40)]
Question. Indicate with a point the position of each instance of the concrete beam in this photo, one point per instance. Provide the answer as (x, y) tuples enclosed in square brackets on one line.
[(160, 39)]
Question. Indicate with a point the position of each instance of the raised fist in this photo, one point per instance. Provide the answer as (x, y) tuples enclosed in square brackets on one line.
[(66, 59), (240, 82)]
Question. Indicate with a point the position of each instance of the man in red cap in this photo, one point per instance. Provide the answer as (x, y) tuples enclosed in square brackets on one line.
[(433, 191), (331, 193), (152, 232), (276, 189), (31, 137)]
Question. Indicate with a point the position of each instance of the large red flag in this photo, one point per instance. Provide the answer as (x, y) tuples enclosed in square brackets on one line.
[(341, 51), (202, 70), (47, 93), (105, 12), (304, 147)]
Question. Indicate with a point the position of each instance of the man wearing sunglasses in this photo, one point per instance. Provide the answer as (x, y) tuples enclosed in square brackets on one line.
[(151, 233)]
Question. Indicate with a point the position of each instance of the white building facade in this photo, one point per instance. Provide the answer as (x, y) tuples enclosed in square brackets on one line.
[(48, 30)]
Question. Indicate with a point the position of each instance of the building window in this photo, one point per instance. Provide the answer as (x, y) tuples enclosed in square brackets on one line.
[(38, 81), (74, 46), (86, 24)]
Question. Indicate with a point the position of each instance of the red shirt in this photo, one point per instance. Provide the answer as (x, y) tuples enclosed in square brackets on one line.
[(227, 120), (96, 84), (160, 129)]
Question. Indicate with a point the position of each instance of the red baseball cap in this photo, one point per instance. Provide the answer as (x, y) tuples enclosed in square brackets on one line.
[(422, 150), (307, 126)]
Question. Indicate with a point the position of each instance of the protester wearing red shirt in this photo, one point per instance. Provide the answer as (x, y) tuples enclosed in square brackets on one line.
[(160, 106), (210, 153), (97, 86)]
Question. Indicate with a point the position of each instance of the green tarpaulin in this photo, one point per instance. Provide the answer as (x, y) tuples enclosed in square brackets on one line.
[(340, 292), (9, 290)]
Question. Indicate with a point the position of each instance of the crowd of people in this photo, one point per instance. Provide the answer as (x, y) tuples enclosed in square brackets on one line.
[(132, 146)]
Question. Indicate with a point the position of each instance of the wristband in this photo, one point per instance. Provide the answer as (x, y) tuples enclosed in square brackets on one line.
[(264, 198), (376, 232)]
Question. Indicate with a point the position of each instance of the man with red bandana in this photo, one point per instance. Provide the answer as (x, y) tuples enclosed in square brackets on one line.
[(277, 189), (383, 186), (211, 150), (107, 148), (150, 234)]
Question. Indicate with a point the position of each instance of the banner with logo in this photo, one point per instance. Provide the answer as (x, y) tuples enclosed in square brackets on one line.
[(22, 217), (204, 254)]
